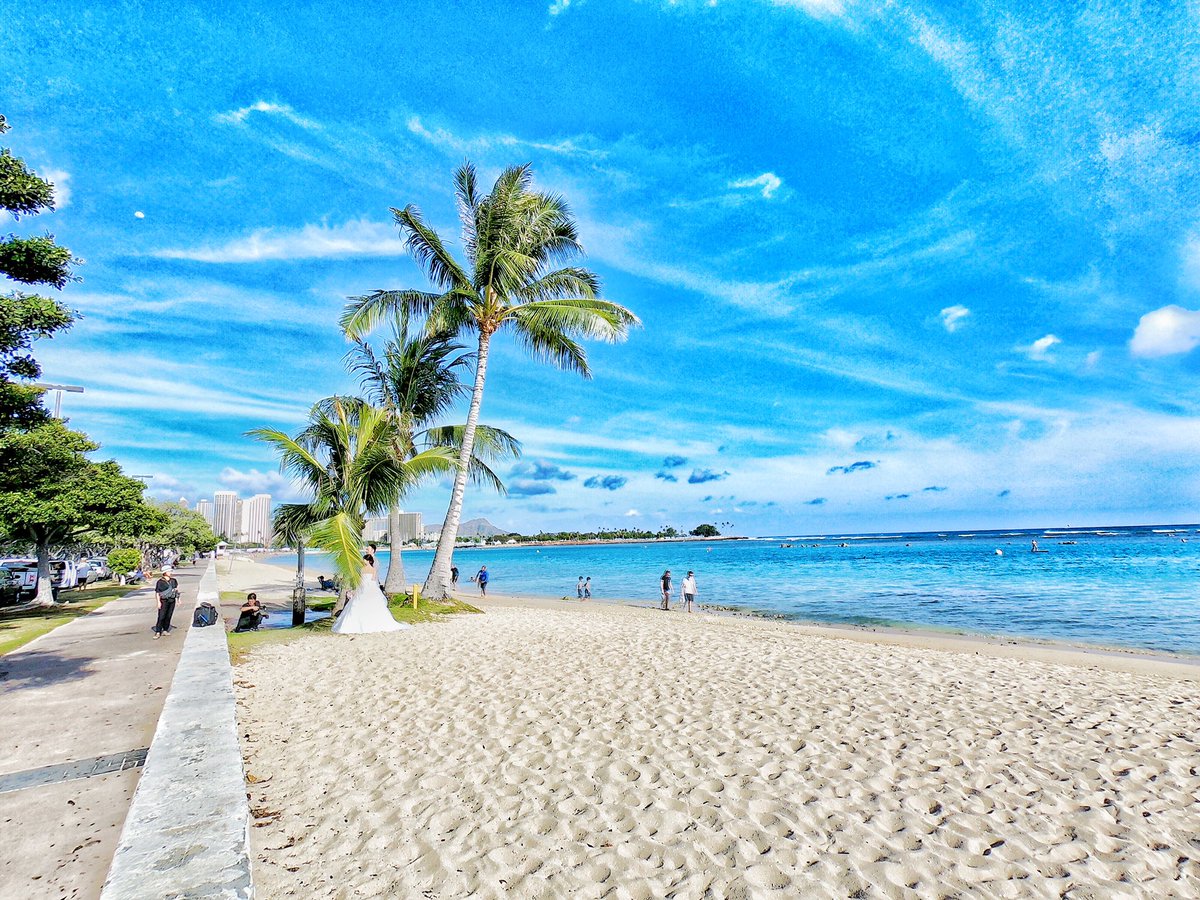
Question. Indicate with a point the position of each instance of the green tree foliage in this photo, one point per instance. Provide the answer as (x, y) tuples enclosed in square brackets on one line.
[(26, 317), (515, 239), (705, 530), (124, 561), (184, 530), (52, 494)]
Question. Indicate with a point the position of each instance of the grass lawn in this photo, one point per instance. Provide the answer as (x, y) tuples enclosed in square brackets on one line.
[(19, 628), (241, 645)]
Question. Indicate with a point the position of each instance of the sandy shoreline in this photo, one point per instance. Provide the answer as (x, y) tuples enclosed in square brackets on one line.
[(550, 749)]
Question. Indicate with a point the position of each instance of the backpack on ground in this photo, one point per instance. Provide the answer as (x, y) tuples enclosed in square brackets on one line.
[(205, 614)]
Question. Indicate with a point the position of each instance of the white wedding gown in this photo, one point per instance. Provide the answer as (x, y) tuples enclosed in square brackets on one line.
[(367, 611)]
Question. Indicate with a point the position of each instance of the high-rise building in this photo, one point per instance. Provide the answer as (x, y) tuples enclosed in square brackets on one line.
[(206, 509), (227, 518), (256, 518), (410, 527), (183, 502)]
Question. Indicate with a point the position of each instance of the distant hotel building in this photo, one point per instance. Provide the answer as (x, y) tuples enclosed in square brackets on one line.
[(256, 520), (410, 528), (236, 520)]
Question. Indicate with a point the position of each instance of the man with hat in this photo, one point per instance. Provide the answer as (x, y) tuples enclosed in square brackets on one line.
[(166, 589)]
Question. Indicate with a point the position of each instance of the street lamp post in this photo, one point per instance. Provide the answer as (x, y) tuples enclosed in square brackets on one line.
[(58, 390)]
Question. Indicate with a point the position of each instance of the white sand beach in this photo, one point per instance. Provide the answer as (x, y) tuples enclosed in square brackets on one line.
[(588, 750)]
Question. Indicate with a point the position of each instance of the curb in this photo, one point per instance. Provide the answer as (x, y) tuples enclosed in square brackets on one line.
[(188, 829)]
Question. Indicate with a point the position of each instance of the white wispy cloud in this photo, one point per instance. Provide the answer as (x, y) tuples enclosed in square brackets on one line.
[(767, 184), (818, 8), (953, 316), (1166, 332), (359, 237), (280, 110), (445, 139), (1040, 348)]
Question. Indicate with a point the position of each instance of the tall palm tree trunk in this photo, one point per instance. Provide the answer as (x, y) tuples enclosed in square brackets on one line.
[(437, 585), (394, 583), (298, 590)]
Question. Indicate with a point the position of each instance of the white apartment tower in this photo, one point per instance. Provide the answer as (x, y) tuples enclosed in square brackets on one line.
[(206, 509), (227, 518), (256, 519)]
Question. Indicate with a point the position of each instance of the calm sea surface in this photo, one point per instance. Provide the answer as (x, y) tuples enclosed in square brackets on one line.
[(1131, 587)]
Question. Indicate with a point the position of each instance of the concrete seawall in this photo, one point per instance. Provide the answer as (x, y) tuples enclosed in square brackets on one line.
[(187, 832)]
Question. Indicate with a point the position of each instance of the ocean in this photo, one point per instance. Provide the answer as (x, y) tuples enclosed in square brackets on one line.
[(1132, 587)]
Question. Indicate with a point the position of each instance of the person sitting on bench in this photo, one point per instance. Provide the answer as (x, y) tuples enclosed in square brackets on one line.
[(252, 614)]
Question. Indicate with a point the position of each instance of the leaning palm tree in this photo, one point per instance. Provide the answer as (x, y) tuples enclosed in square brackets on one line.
[(414, 378), (345, 456), (513, 238)]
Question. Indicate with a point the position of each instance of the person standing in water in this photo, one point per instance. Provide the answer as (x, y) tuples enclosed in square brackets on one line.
[(587, 588), (454, 576), (666, 589), (481, 579), (688, 590), (579, 588)]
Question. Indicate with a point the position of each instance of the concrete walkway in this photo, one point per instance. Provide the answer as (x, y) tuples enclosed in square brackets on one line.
[(81, 704)]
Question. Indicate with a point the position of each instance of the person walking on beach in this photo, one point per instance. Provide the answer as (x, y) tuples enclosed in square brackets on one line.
[(579, 588), (587, 588), (481, 579), (688, 590), (166, 590), (666, 589)]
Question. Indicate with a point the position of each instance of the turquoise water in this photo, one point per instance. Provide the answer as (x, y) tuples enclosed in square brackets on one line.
[(1130, 587)]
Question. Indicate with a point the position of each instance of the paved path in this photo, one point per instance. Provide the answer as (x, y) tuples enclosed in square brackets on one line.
[(82, 704)]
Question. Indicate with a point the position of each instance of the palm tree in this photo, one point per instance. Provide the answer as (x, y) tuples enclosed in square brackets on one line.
[(345, 455), (513, 238), (415, 380)]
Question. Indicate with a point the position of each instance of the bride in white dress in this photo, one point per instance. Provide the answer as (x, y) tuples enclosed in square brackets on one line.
[(367, 610)]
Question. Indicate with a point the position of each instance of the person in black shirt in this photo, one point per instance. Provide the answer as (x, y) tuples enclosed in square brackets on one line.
[(251, 615), (166, 589), (666, 589)]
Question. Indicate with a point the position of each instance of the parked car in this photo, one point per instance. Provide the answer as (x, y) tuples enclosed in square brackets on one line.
[(63, 575), (26, 573), (100, 567), (10, 586)]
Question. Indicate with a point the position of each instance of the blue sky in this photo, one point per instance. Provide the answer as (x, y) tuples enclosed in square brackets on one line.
[(900, 265)]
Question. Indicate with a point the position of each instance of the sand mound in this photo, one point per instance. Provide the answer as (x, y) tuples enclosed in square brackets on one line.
[(607, 752)]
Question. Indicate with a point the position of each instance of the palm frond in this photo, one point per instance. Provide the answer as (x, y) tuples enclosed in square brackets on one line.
[(466, 196), (340, 535), (427, 248), (295, 458), (364, 314)]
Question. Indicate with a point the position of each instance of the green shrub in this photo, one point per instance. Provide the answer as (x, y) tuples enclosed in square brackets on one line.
[(122, 562)]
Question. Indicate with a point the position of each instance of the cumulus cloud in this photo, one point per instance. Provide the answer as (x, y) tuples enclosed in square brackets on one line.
[(632, 512), (540, 470), (700, 476), (861, 465), (527, 487), (952, 317), (1165, 332), (280, 487), (767, 184), (359, 237), (606, 482), (673, 462), (665, 476), (815, 501), (1040, 349)]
